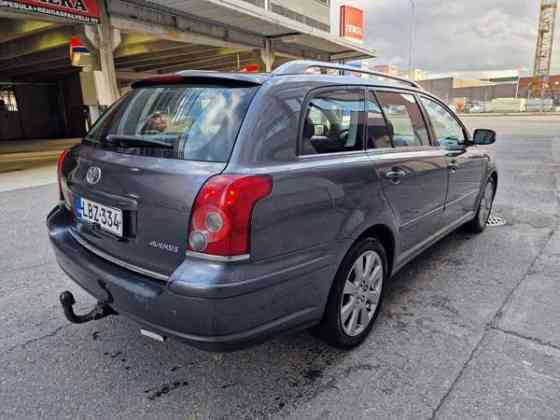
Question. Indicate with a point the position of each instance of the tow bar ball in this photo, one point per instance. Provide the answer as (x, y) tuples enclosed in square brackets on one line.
[(100, 310)]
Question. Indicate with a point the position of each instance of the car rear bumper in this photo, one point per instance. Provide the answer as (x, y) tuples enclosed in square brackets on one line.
[(210, 305)]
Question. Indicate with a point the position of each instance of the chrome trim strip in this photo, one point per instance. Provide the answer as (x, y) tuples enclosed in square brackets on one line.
[(349, 153), (417, 219), (450, 203), (402, 153), (218, 258), (116, 261)]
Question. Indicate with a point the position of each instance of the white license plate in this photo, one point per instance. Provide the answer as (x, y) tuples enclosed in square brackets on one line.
[(107, 218)]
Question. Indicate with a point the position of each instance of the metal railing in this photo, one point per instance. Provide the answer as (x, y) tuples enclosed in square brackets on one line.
[(303, 67)]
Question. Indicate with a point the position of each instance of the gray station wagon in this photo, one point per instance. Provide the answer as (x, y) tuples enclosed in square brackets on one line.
[(222, 208)]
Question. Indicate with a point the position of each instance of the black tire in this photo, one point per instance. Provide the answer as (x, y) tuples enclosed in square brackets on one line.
[(331, 328), (478, 224)]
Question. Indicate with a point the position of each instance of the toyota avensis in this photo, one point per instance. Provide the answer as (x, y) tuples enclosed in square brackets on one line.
[(222, 208)]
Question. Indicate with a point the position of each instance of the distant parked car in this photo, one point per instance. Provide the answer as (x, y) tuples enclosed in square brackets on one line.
[(475, 108), (223, 209)]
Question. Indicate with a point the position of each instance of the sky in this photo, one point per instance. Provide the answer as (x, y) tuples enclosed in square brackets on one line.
[(456, 35)]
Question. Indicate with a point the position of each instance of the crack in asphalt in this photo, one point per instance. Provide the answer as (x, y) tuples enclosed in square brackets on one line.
[(492, 324), (518, 222), (459, 375), (536, 340), (35, 326), (36, 339)]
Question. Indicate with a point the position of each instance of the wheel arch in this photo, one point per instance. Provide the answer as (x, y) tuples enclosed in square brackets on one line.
[(387, 238)]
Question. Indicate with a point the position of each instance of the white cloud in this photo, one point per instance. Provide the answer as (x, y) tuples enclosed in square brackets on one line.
[(456, 35)]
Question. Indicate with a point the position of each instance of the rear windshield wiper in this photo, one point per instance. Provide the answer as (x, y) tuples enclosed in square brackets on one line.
[(124, 140)]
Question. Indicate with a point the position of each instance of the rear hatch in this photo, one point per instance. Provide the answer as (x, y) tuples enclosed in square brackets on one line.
[(135, 177)]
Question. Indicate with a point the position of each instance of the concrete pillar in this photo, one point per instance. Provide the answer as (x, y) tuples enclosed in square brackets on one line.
[(94, 114), (103, 39), (107, 44), (267, 55)]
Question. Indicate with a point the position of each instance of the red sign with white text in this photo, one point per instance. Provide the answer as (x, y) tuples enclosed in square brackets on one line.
[(85, 11), (352, 23)]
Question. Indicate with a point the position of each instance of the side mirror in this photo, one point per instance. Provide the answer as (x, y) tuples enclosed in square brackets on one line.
[(484, 137)]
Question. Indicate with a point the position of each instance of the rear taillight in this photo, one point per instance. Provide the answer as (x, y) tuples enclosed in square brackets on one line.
[(221, 216), (59, 164)]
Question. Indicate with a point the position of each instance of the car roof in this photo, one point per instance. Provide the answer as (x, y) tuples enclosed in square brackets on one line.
[(296, 69), (261, 78)]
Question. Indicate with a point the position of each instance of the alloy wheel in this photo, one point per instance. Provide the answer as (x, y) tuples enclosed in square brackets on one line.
[(362, 292)]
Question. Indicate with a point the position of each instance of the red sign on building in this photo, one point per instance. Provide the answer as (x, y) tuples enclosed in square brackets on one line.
[(352, 23), (84, 11)]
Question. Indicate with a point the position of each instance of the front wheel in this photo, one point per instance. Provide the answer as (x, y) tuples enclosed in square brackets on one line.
[(356, 295), (478, 224)]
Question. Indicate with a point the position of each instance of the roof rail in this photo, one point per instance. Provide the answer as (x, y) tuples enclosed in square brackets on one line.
[(302, 66)]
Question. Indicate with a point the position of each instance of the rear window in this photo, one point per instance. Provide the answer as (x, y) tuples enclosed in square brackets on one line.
[(188, 122)]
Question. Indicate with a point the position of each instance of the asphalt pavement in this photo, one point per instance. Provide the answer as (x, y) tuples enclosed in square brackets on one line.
[(470, 329)]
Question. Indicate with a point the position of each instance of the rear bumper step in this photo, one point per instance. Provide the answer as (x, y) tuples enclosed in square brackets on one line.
[(99, 311)]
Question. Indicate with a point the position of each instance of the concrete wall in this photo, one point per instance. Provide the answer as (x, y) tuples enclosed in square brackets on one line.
[(442, 88), (486, 93), (449, 88)]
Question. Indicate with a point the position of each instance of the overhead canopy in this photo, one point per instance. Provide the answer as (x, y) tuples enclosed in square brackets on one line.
[(32, 50), (235, 23), (166, 36)]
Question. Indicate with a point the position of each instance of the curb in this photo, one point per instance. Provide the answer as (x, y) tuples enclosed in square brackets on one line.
[(511, 114)]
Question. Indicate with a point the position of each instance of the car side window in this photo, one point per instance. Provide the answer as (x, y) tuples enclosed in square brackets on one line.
[(377, 133), (334, 122), (447, 130), (404, 119)]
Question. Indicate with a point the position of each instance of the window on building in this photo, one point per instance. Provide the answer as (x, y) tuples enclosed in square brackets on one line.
[(448, 131), (404, 119), (334, 122), (8, 100)]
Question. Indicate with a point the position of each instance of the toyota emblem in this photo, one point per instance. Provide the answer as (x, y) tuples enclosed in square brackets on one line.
[(93, 175)]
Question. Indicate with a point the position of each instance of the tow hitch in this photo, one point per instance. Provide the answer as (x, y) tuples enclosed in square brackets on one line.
[(100, 310)]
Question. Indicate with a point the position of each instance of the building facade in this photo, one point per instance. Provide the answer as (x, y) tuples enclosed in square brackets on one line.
[(450, 89)]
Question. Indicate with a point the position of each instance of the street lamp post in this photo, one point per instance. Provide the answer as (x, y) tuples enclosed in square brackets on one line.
[(412, 74)]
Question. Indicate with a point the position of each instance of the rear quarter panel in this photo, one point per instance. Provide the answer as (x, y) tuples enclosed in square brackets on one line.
[(317, 201)]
